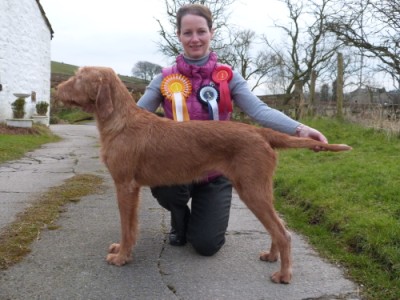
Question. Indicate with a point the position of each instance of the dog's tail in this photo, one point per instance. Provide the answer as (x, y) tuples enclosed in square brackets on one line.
[(284, 141)]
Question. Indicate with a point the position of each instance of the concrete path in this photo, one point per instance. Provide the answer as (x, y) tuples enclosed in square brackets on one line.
[(69, 263)]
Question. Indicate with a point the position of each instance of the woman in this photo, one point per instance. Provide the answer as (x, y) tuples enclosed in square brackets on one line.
[(197, 87)]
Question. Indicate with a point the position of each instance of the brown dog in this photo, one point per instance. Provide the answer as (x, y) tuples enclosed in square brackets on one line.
[(142, 149)]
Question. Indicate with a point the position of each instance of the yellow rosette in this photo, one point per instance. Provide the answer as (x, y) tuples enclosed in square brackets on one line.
[(177, 88)]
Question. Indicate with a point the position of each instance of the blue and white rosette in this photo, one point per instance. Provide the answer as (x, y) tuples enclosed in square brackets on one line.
[(208, 96)]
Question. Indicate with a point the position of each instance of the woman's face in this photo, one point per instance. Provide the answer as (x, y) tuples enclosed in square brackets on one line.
[(195, 36)]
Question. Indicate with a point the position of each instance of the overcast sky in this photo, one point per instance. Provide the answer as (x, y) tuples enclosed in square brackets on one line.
[(119, 33)]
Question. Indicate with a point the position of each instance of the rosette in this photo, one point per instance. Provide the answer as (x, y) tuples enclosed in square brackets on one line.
[(208, 96), (177, 88), (222, 75)]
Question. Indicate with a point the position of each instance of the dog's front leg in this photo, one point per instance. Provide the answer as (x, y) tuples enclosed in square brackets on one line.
[(128, 203)]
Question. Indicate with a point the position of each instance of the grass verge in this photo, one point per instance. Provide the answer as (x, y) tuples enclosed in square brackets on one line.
[(347, 203), (15, 142), (15, 239)]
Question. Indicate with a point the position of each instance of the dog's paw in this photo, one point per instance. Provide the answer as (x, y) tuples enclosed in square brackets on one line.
[(279, 277), (268, 256), (114, 248), (117, 260)]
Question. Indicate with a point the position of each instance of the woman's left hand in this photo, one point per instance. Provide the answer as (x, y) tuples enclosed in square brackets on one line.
[(308, 132)]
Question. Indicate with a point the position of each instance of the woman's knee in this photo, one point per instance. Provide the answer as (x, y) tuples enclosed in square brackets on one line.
[(207, 246), (171, 195)]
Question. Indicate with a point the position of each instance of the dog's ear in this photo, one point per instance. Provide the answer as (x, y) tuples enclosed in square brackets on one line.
[(104, 105)]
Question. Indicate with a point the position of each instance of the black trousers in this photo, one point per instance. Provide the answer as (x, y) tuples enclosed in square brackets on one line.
[(205, 223)]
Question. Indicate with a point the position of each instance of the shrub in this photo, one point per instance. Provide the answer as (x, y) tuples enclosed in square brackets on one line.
[(42, 107), (18, 108)]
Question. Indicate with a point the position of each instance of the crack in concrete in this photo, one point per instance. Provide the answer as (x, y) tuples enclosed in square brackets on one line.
[(159, 261)]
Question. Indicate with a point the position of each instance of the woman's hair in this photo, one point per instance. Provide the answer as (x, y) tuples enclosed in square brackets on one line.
[(193, 9)]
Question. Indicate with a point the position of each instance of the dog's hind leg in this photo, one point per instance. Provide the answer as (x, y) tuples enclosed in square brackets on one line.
[(254, 184), (262, 207), (128, 203)]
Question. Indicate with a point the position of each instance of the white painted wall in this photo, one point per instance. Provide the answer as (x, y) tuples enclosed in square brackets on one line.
[(25, 62)]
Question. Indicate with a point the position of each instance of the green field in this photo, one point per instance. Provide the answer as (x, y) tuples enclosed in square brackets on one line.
[(348, 203)]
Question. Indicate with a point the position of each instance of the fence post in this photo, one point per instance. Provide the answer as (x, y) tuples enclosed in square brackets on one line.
[(299, 99), (313, 103), (339, 87)]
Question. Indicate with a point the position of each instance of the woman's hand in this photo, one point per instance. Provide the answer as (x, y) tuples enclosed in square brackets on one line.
[(308, 132)]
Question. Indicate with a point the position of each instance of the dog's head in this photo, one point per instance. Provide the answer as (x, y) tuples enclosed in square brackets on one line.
[(91, 89)]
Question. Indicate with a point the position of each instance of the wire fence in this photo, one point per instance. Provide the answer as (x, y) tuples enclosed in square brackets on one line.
[(384, 117)]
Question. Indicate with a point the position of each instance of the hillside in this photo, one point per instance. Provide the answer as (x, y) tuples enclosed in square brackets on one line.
[(61, 68), (61, 72)]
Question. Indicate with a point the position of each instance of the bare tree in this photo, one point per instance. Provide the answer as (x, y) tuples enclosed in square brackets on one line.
[(374, 27), (356, 71), (278, 76), (238, 54), (309, 46), (146, 70)]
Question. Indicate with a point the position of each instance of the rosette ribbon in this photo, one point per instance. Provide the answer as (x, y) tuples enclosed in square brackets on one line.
[(177, 88), (222, 75)]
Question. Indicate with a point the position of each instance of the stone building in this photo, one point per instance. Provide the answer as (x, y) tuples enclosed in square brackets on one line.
[(25, 61), (369, 95)]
